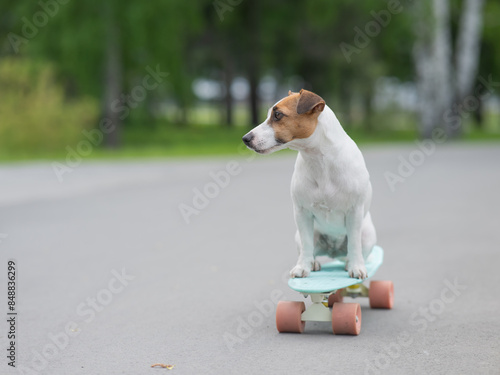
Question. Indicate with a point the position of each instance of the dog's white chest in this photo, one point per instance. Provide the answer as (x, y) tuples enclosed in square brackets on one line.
[(323, 197), (327, 218)]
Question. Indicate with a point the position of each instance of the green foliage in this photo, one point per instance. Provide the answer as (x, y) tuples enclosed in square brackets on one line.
[(189, 40), (35, 117), (150, 33)]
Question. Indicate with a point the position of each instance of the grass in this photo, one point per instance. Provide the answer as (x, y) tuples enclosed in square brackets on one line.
[(171, 141), (192, 141)]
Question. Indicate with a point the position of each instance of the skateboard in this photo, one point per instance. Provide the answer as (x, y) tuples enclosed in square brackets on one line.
[(327, 289)]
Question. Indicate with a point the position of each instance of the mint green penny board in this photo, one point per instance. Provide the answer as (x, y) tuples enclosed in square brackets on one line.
[(333, 275)]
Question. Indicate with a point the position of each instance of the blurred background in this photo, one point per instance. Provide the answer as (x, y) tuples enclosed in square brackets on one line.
[(142, 82), (178, 77)]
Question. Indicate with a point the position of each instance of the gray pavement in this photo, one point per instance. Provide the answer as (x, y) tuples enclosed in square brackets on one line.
[(112, 279)]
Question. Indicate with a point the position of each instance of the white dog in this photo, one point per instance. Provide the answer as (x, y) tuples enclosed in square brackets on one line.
[(331, 189)]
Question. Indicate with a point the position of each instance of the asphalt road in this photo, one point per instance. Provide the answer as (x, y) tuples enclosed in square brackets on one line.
[(112, 278)]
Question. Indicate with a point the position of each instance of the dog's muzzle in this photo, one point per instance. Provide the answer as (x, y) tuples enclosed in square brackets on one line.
[(247, 138)]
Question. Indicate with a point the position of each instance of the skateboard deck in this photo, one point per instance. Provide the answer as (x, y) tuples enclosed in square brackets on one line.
[(333, 275)]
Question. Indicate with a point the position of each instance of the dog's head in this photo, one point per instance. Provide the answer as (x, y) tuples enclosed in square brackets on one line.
[(293, 117)]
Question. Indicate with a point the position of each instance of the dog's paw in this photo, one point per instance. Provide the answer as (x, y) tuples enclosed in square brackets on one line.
[(316, 266), (357, 270), (300, 271)]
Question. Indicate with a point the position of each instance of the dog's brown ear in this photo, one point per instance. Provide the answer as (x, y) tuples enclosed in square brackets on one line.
[(291, 93), (309, 101)]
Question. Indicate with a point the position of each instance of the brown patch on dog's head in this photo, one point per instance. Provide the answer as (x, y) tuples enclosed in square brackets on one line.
[(296, 116)]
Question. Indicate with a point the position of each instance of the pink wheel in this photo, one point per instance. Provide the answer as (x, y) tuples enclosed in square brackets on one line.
[(289, 316), (346, 318), (381, 294), (335, 297)]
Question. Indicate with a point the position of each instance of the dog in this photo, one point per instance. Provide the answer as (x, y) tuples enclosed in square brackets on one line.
[(331, 189)]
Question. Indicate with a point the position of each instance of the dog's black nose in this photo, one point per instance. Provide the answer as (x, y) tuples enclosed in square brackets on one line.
[(248, 138)]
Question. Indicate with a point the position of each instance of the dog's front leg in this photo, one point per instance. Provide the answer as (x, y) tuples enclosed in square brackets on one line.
[(304, 220), (355, 262)]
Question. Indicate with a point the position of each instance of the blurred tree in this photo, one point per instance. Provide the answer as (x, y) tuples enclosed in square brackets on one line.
[(468, 47), (113, 70), (443, 85), (339, 49), (334, 57), (489, 63), (105, 50), (220, 50), (235, 32), (304, 38)]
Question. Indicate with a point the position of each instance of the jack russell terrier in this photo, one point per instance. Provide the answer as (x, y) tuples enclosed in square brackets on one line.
[(331, 189)]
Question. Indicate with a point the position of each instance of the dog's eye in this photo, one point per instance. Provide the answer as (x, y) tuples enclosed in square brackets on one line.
[(278, 115)]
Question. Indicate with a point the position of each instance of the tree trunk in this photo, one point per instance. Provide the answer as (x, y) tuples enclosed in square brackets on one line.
[(467, 56), (254, 105), (478, 115), (344, 110), (468, 46), (432, 56), (441, 102), (228, 79), (182, 114), (422, 55), (113, 75), (253, 61), (368, 113), (442, 60)]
